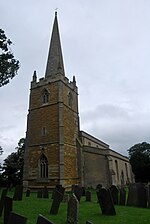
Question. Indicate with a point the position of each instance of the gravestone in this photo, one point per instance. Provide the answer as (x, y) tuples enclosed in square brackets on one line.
[(106, 202), (3, 195), (72, 210), (114, 193), (14, 218), (45, 192), (122, 198), (42, 220), (18, 193), (78, 192), (59, 188), (148, 195), (58, 196), (137, 195), (28, 193), (83, 191), (142, 196), (8, 203), (88, 195), (39, 194), (132, 195)]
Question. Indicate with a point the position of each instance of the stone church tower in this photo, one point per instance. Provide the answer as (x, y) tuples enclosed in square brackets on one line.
[(52, 124), (56, 151)]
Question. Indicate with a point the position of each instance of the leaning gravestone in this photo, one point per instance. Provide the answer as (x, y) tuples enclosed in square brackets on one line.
[(45, 192), (58, 188), (114, 193), (7, 208), (132, 195), (14, 218), (72, 210), (88, 195), (3, 195), (18, 193), (122, 198), (106, 202), (58, 196), (42, 220)]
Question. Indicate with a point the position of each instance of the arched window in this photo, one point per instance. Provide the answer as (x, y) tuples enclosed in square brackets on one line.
[(122, 178), (126, 169), (70, 99), (43, 166), (117, 171), (45, 96)]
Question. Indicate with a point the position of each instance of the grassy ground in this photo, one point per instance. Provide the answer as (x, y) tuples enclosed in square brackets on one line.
[(32, 206)]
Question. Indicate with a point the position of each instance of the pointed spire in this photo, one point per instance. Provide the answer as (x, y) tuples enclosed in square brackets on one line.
[(55, 59)]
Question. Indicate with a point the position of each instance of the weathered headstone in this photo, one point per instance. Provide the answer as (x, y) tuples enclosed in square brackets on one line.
[(83, 191), (114, 193), (106, 202), (8, 204), (122, 197), (58, 188), (78, 192), (88, 195), (45, 192), (2, 200), (142, 196), (42, 220), (56, 202), (72, 210), (18, 193), (137, 195), (28, 193), (39, 194), (15, 218)]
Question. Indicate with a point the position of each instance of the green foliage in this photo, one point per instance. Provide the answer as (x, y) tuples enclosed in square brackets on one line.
[(1, 150), (140, 160), (13, 165), (8, 64), (32, 206)]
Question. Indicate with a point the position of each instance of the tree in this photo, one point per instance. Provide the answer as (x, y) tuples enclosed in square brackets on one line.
[(8, 64), (1, 150), (139, 155), (13, 165)]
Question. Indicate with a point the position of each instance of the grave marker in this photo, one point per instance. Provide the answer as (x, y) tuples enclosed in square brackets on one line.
[(8, 203), (72, 210), (114, 193), (3, 195), (42, 220), (106, 202), (15, 218)]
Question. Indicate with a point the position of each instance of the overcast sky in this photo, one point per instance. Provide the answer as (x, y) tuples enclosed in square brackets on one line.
[(106, 45)]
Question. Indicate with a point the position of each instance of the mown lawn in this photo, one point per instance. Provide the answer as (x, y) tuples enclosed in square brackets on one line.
[(32, 206)]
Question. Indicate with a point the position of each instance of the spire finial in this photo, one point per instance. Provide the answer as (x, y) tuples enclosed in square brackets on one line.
[(56, 11)]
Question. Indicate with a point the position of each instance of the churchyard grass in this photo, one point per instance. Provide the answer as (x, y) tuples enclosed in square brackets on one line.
[(32, 206)]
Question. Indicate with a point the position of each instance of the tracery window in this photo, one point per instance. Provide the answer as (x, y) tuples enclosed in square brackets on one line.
[(45, 96), (117, 171), (43, 167)]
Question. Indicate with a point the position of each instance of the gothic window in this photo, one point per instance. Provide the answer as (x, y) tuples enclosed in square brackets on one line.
[(126, 169), (43, 167), (70, 99), (117, 171), (45, 96)]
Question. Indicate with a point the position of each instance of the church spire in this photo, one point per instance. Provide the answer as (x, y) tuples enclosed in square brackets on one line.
[(55, 60)]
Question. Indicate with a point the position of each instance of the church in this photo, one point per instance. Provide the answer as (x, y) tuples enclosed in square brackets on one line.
[(57, 151)]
